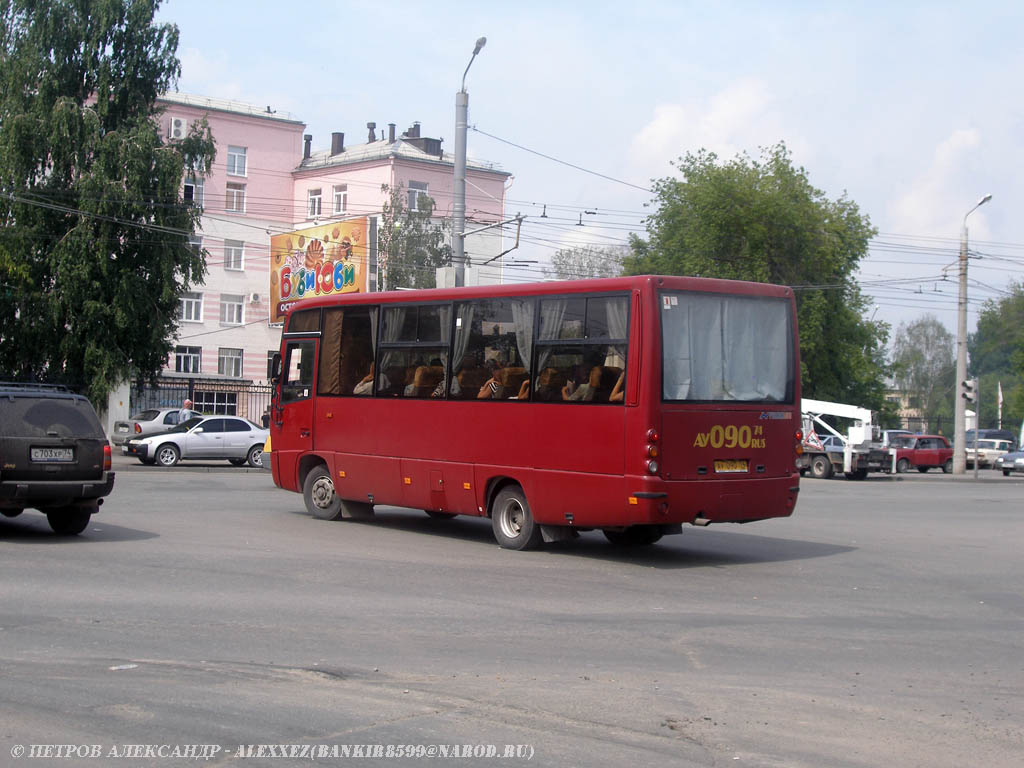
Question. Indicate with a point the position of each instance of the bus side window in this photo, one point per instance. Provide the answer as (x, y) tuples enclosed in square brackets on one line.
[(297, 380)]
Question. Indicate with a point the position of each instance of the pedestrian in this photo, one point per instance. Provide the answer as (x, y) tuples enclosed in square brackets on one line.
[(186, 412)]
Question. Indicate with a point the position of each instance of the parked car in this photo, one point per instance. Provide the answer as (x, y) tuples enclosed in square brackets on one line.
[(987, 452), (149, 422), (55, 456), (922, 452), (888, 435), (833, 443), (1010, 462), (992, 434), (203, 437)]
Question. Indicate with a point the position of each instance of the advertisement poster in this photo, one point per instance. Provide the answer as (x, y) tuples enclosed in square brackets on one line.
[(319, 261)]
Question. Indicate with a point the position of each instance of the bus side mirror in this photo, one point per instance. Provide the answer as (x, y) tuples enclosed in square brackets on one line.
[(274, 368)]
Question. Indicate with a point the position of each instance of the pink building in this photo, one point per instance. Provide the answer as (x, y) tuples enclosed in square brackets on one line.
[(267, 180)]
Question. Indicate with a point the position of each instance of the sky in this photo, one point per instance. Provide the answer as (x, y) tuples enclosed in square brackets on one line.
[(913, 110)]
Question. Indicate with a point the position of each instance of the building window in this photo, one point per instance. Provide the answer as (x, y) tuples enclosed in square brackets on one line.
[(416, 188), (191, 307), (235, 198), (229, 362), (233, 252), (314, 207), (187, 359), (236, 161), (340, 198), (193, 194), (231, 308), (218, 403)]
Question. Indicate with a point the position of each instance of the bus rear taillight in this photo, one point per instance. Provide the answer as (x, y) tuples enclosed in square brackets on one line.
[(652, 451), (799, 437)]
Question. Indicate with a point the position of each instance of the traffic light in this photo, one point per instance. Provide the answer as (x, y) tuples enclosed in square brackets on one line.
[(969, 390)]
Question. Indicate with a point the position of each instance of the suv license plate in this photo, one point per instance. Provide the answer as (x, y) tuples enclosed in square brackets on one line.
[(732, 465), (53, 454)]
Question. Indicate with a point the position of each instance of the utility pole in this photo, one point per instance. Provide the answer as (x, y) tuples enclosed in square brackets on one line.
[(459, 187), (960, 406)]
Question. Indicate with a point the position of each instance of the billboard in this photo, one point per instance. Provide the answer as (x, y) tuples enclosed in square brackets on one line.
[(322, 260)]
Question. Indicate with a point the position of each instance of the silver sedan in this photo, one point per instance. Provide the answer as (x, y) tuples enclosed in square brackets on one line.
[(208, 437)]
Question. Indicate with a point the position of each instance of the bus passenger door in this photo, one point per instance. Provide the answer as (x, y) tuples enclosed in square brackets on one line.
[(296, 415)]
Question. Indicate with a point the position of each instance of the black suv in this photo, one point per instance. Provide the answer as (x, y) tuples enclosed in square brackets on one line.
[(54, 455)]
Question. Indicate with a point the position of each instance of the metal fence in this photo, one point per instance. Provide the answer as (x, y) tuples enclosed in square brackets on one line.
[(208, 396)]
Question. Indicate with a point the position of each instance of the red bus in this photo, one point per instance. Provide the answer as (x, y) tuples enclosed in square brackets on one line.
[(631, 405)]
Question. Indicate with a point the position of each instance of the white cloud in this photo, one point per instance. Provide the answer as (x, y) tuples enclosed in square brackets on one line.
[(942, 193), (744, 116)]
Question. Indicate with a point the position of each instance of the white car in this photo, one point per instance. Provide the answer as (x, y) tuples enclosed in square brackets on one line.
[(148, 422), (204, 437), (988, 451)]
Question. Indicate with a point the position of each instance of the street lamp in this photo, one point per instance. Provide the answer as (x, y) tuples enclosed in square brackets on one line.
[(459, 188), (960, 407)]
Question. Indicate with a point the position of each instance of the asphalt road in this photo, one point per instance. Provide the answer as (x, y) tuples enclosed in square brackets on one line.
[(881, 625)]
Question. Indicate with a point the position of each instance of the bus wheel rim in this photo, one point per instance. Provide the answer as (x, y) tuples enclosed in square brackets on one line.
[(512, 518), (323, 492)]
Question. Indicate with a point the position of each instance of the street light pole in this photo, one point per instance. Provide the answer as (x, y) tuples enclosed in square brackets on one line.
[(459, 187), (960, 406)]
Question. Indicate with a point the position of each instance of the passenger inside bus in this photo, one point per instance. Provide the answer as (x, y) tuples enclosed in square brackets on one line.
[(619, 390), (365, 385), (491, 388), (586, 391)]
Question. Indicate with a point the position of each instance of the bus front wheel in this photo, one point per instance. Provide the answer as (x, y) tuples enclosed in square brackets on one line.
[(513, 523), (318, 492)]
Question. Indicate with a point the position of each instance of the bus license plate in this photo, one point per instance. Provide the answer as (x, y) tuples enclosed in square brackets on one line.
[(731, 465), (53, 454)]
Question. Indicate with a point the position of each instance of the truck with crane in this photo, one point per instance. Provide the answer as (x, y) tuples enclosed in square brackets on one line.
[(861, 452)]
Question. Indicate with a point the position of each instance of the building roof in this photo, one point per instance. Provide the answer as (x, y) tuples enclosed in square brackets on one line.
[(384, 149), (226, 105)]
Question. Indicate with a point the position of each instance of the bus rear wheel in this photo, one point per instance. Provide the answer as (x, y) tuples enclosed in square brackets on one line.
[(633, 536), (318, 493), (512, 521)]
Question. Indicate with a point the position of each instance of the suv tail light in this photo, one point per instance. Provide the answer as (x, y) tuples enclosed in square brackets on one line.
[(138, 428), (106, 458)]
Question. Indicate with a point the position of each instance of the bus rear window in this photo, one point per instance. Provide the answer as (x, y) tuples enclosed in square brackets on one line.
[(721, 348)]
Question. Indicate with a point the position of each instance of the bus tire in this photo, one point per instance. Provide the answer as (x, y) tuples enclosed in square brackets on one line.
[(318, 493), (512, 521), (821, 467), (633, 536)]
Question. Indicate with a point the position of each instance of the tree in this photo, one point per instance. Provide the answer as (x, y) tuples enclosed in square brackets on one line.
[(410, 243), (763, 221), (997, 357), (586, 261), (924, 367), (94, 245)]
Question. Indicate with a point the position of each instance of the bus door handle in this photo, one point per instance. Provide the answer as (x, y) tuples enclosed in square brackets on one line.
[(304, 433)]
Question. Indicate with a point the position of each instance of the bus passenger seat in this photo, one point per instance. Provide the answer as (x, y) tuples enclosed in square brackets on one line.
[(425, 381), (549, 385), (511, 380)]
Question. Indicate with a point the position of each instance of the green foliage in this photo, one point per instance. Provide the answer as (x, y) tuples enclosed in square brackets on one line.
[(924, 367), (586, 261), (410, 243), (996, 352), (763, 221), (94, 245)]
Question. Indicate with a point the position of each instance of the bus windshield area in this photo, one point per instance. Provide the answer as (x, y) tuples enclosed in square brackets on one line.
[(723, 348)]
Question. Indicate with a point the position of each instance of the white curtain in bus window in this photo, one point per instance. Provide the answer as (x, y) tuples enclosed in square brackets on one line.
[(394, 319), (724, 348)]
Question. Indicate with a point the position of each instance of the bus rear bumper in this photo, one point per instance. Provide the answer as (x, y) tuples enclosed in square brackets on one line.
[(701, 502)]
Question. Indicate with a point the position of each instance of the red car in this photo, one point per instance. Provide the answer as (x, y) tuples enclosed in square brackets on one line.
[(923, 452)]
